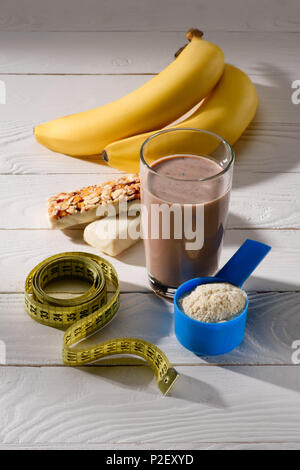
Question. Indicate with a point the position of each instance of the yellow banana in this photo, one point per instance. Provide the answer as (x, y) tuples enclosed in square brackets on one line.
[(227, 111), (171, 93)]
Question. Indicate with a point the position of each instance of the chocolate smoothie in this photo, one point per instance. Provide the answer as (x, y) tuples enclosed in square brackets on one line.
[(169, 262)]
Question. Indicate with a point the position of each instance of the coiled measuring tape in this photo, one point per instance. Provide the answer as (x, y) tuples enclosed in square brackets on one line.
[(84, 315)]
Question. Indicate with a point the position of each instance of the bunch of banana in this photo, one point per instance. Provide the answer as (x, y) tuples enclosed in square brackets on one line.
[(118, 129), (167, 96), (227, 111)]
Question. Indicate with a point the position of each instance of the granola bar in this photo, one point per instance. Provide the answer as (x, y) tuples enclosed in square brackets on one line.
[(80, 207)]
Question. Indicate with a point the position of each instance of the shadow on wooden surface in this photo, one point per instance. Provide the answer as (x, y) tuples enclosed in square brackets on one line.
[(118, 375), (286, 377), (280, 85), (194, 390), (186, 388)]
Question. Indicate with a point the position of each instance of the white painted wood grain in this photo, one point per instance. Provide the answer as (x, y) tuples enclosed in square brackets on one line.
[(21, 250), (270, 53), (121, 405), (269, 148), (141, 15), (263, 148), (155, 447), (39, 98), (20, 153), (258, 200), (35, 98), (273, 325)]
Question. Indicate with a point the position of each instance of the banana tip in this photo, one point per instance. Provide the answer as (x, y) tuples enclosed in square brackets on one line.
[(105, 156)]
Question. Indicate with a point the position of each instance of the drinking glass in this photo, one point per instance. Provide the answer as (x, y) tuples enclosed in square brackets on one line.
[(186, 178)]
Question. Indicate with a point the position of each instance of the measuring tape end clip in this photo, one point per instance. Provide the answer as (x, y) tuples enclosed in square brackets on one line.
[(166, 383)]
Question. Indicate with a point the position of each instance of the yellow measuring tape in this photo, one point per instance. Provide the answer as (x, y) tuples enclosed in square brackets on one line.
[(84, 315)]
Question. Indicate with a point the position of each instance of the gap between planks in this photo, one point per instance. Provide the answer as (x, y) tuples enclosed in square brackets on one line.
[(225, 445), (80, 229), (175, 364), (142, 16), (79, 74)]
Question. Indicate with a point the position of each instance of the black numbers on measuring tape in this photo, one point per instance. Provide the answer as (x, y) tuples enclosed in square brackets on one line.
[(68, 339), (163, 370), (158, 360), (57, 317), (98, 352), (84, 313), (94, 308), (71, 357), (85, 356), (104, 267), (139, 347), (66, 268), (77, 331), (150, 352), (90, 274), (99, 320), (125, 346), (108, 313), (111, 347), (44, 315), (33, 309), (88, 326), (71, 317), (79, 269), (113, 277)]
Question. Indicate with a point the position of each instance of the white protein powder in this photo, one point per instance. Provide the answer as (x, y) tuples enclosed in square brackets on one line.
[(215, 302)]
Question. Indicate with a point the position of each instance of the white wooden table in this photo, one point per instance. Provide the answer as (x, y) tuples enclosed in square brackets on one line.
[(60, 57)]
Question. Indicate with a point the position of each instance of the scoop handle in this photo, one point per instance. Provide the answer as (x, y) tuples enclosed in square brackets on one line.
[(243, 262)]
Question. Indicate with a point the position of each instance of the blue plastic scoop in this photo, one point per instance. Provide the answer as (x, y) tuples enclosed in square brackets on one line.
[(210, 339)]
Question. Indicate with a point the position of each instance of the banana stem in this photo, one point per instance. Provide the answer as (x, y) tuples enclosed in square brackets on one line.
[(192, 33)]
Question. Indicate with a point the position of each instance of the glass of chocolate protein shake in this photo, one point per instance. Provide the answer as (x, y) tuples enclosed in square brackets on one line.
[(186, 177)]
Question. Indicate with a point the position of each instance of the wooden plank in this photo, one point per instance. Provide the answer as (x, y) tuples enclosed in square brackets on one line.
[(269, 148), (258, 200), (136, 52), (263, 148), (20, 153), (158, 15), (42, 98), (21, 250), (272, 327), (16, 262), (155, 447), (119, 405)]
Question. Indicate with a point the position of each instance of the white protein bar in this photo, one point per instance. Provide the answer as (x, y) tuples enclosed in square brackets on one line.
[(112, 235)]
